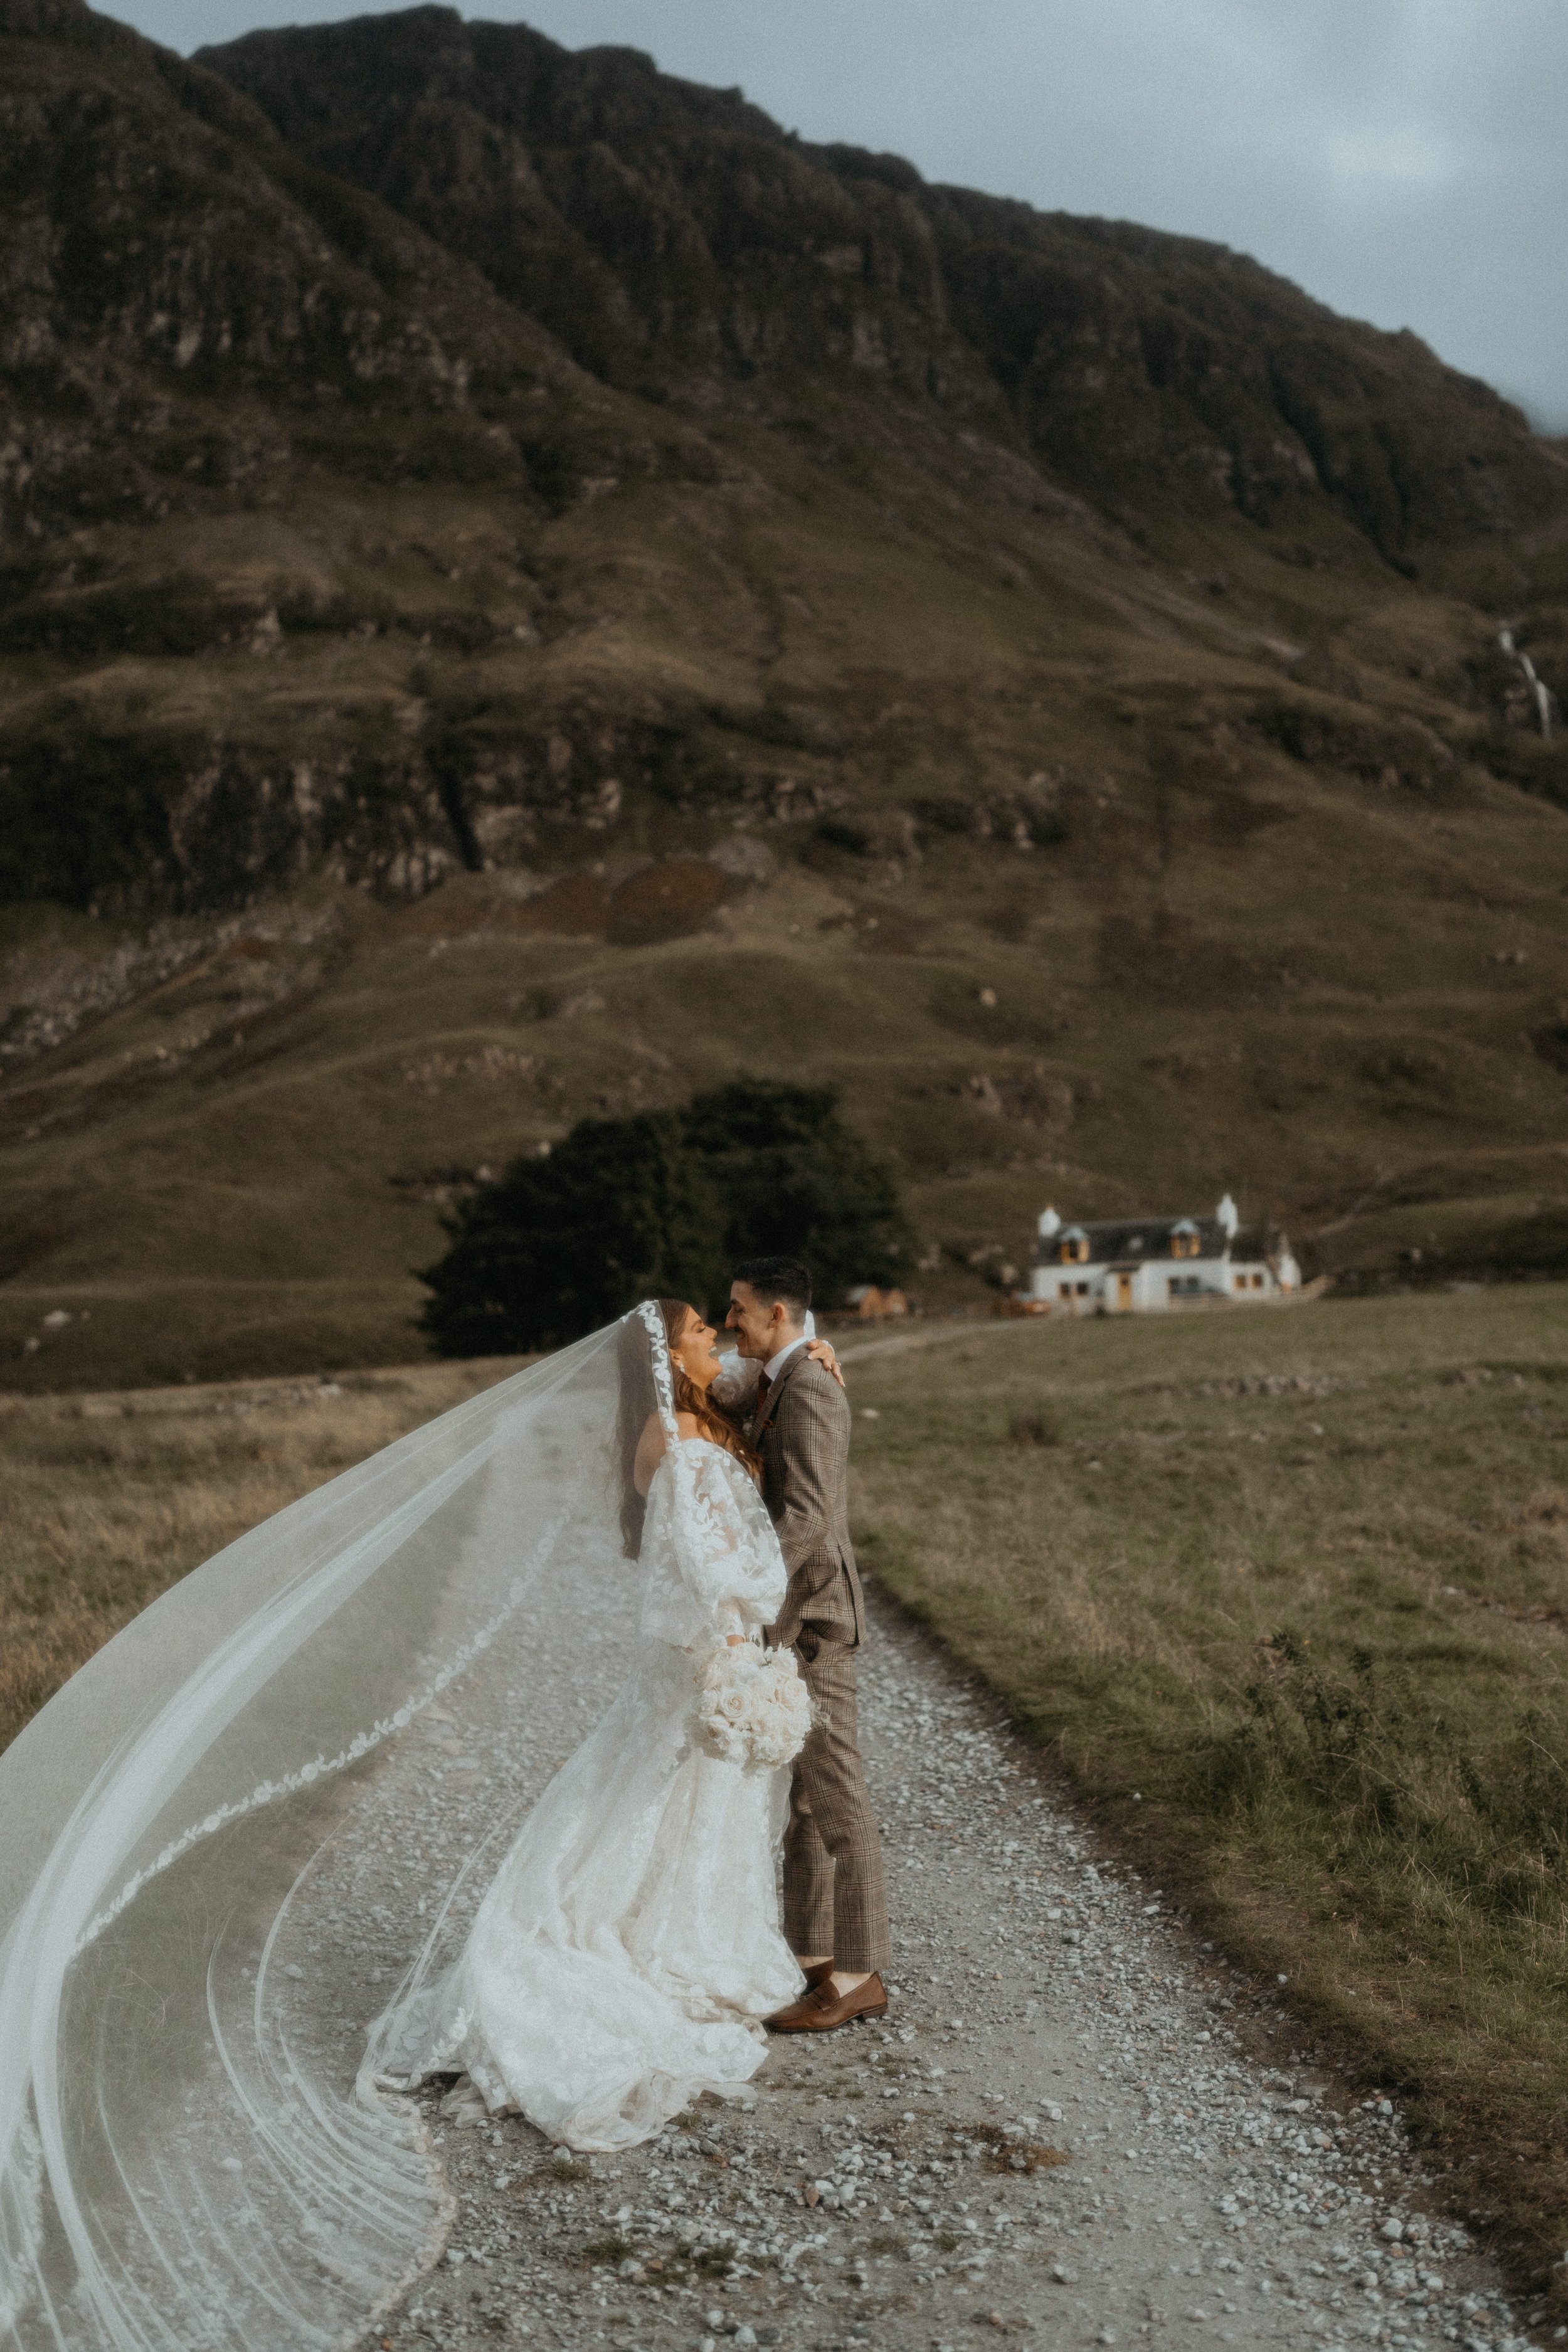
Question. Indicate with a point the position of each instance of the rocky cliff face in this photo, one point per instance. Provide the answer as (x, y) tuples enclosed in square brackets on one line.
[(667, 231), (154, 266), (193, 327), (297, 338)]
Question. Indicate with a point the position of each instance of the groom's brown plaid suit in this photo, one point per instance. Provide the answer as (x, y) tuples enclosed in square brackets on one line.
[(834, 1900)]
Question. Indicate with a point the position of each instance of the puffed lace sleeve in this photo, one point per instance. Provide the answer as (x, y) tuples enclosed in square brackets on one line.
[(711, 1562)]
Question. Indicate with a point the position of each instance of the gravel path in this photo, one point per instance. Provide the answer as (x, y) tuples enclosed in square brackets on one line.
[(1058, 2131)]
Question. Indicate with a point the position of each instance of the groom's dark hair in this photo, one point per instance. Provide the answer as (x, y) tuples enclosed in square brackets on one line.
[(777, 1280)]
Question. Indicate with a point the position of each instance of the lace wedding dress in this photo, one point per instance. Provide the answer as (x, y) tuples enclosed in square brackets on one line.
[(629, 1946), (250, 1807)]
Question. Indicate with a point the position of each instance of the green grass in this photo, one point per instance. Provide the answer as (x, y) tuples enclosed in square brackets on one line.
[(1286, 1595)]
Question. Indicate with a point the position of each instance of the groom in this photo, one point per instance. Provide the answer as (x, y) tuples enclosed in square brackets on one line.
[(835, 1911)]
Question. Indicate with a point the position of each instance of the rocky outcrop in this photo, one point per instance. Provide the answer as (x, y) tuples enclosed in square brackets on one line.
[(175, 289), (187, 820)]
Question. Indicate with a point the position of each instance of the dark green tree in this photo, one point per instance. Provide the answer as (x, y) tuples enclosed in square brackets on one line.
[(795, 1181), (632, 1208), (621, 1211)]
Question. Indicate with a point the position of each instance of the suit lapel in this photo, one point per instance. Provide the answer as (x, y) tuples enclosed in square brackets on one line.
[(776, 1391)]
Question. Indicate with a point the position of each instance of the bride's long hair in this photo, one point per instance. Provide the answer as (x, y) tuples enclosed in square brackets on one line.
[(637, 1400), (712, 1419)]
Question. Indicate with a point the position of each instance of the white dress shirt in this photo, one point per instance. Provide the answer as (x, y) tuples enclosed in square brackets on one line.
[(776, 1364)]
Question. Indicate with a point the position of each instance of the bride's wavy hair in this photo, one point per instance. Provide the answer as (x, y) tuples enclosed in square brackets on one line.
[(638, 1399), (712, 1419)]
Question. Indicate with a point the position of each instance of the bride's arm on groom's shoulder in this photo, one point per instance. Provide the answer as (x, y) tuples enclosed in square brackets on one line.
[(735, 1387)]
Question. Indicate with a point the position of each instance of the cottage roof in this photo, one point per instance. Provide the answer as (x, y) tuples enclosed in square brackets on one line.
[(1137, 1239)]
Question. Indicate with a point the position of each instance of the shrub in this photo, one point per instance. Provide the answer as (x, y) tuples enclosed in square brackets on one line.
[(618, 1212), (795, 1181), (663, 1204)]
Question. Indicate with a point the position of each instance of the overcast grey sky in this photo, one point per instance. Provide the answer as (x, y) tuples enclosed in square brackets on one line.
[(1403, 160)]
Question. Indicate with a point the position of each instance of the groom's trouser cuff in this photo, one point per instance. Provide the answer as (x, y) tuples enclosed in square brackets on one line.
[(835, 1901)]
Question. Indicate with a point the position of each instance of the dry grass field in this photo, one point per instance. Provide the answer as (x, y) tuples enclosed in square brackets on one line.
[(107, 1500), (1286, 1593)]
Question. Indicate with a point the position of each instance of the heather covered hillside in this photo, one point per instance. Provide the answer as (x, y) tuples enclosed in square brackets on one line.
[(528, 591)]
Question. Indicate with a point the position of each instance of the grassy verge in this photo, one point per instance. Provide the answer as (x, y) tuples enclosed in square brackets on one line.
[(1287, 1594)]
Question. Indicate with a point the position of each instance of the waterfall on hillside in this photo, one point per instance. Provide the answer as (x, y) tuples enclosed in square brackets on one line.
[(1538, 686)]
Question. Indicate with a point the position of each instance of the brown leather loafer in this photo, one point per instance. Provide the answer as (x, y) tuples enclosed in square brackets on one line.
[(823, 2011), (814, 1974)]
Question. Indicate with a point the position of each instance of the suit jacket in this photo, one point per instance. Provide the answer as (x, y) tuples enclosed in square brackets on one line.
[(802, 1437)]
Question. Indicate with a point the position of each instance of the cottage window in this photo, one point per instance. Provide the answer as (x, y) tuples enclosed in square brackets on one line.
[(1073, 1249), (1185, 1242)]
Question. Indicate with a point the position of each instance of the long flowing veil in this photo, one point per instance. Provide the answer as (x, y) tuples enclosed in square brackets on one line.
[(261, 1783)]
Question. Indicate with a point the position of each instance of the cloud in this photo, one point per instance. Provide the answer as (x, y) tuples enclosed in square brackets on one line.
[(1401, 159), (1363, 159)]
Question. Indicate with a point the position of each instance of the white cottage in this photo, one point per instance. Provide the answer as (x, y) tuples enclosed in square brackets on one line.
[(1143, 1265)]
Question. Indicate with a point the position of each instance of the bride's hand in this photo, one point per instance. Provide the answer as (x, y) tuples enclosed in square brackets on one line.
[(821, 1351)]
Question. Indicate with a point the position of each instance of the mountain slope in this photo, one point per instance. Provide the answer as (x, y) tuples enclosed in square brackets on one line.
[(524, 590), (668, 233)]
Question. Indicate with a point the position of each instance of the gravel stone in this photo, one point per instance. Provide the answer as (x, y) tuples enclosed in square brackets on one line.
[(1063, 2126)]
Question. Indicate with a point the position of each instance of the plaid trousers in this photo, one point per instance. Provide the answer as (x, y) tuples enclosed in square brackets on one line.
[(834, 1897)]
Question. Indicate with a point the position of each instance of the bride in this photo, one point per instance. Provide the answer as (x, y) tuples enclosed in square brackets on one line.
[(230, 1821), (629, 1945)]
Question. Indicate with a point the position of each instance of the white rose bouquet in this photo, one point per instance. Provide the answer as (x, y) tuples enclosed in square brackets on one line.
[(752, 1707)]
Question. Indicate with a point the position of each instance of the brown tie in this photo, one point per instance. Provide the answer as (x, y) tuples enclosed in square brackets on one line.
[(764, 1385)]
